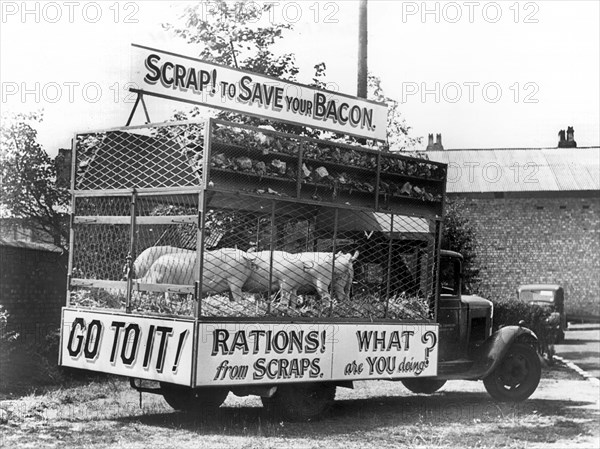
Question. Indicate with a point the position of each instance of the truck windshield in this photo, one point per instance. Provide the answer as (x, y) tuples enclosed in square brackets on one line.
[(449, 277), (537, 295)]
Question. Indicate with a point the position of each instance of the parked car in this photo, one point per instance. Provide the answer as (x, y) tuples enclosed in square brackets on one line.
[(551, 296)]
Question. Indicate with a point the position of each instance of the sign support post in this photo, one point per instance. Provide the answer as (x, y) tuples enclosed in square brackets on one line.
[(139, 98)]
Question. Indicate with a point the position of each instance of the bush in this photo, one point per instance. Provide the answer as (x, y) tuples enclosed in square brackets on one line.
[(27, 366), (509, 312), (458, 234), (8, 342)]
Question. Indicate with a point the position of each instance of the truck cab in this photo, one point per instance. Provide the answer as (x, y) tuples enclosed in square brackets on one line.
[(506, 361), (465, 320)]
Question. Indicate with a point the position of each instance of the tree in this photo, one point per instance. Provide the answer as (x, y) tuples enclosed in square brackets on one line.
[(29, 187), (398, 132), (229, 34), (459, 235)]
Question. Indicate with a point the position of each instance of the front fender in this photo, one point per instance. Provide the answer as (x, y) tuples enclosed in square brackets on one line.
[(493, 350)]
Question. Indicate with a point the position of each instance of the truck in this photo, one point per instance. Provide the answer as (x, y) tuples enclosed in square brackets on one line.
[(210, 257)]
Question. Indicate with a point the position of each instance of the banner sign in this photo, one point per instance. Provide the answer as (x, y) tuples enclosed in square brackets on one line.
[(145, 348), (168, 75), (161, 349), (244, 353)]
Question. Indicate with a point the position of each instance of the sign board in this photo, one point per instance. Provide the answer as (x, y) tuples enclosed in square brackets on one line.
[(242, 353), (245, 353), (183, 78), (145, 348)]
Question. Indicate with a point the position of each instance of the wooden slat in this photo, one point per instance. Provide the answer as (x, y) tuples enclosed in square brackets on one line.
[(137, 286), (97, 283), (168, 288), (150, 191), (125, 220)]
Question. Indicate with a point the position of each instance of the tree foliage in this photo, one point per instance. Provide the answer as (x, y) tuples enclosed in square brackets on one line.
[(459, 235), (398, 131), (29, 188), (229, 34)]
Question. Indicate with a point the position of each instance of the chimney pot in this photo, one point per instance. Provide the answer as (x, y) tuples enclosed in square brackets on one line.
[(569, 140)]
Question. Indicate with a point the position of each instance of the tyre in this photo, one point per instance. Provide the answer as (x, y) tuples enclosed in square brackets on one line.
[(193, 399), (301, 402), (425, 385), (517, 376)]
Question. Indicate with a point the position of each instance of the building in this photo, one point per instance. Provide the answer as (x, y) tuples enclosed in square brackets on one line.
[(537, 215), (32, 287)]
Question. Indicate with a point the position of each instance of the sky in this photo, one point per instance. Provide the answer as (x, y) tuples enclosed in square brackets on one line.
[(503, 74)]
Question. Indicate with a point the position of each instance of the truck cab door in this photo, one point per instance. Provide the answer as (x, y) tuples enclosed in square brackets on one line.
[(452, 313)]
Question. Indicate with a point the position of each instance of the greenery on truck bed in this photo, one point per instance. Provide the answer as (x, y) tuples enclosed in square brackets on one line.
[(268, 154), (361, 305)]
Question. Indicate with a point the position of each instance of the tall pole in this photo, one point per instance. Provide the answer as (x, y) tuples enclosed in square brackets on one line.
[(361, 90)]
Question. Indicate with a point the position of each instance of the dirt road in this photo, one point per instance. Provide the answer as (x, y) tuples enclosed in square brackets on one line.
[(563, 412)]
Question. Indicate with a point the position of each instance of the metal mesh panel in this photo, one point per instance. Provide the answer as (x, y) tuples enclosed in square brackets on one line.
[(94, 207), (317, 261), (146, 157), (170, 230), (100, 251)]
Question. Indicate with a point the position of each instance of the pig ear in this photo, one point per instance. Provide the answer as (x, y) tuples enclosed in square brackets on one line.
[(354, 257), (249, 256)]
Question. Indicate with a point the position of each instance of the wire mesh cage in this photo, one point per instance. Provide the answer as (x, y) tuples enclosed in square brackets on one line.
[(227, 220), (134, 189), (308, 260)]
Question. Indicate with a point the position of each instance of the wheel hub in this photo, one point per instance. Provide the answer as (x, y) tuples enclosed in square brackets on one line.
[(514, 371)]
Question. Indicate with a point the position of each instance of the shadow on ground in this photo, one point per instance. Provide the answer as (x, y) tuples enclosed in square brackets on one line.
[(362, 415)]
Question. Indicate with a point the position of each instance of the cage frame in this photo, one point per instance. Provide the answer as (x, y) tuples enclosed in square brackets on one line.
[(203, 190)]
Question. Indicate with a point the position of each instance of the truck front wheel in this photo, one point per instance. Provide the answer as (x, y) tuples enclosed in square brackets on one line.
[(425, 385), (301, 402), (193, 399), (517, 376)]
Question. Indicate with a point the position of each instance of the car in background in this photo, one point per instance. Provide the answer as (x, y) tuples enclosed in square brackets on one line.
[(551, 296)]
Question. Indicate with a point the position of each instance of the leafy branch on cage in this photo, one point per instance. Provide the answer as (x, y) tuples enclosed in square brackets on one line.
[(328, 153), (338, 181), (87, 147), (407, 190), (275, 168)]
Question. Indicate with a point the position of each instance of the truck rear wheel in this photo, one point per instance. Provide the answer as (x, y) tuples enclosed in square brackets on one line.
[(517, 376), (425, 385), (301, 402), (193, 399)]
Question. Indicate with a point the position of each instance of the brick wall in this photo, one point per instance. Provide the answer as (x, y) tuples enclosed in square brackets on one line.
[(540, 240), (32, 289)]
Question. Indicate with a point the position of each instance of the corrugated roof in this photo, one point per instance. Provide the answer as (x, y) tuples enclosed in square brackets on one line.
[(521, 169)]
